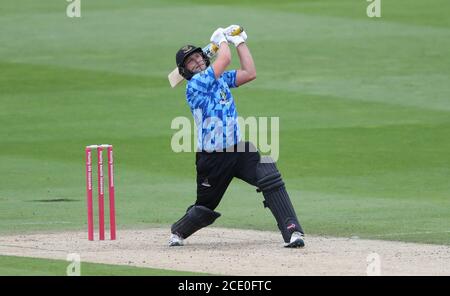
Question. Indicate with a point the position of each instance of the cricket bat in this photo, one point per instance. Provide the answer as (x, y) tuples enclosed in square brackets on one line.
[(210, 50)]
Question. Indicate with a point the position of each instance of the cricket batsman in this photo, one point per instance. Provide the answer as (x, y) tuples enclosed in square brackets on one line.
[(221, 155)]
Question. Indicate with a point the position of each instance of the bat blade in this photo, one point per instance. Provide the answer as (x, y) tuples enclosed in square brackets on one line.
[(175, 78)]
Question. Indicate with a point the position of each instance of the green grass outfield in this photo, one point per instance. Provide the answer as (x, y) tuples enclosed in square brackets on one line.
[(23, 266), (364, 107)]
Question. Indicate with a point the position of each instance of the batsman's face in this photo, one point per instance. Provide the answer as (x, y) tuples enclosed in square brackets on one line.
[(195, 63)]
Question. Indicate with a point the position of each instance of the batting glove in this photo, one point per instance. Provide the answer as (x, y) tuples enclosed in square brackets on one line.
[(218, 37), (236, 40), (230, 29)]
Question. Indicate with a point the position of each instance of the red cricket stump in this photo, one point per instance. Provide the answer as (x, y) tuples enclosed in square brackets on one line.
[(90, 209), (112, 207), (101, 194), (101, 191)]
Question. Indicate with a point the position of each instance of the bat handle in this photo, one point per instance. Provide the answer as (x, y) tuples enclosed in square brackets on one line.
[(236, 31), (214, 48)]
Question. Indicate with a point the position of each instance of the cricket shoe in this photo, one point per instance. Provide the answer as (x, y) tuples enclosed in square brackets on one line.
[(175, 240), (297, 240)]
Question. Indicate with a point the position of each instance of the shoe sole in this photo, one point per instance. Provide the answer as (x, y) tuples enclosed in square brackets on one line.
[(175, 245), (299, 243)]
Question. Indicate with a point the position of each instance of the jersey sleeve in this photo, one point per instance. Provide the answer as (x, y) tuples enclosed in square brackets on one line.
[(230, 78)]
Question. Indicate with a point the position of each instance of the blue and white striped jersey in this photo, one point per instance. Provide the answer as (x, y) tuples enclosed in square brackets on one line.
[(213, 108)]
